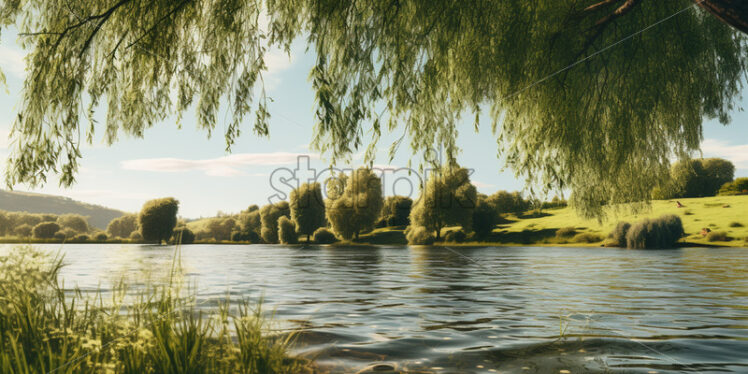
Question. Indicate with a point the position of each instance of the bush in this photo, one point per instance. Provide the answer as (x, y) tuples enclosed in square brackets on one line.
[(287, 231), (587, 237), (736, 224), (718, 236), (100, 237), (157, 219), (136, 236), (419, 235), (661, 232), (75, 222), (455, 236), (46, 230), (324, 236), (183, 235), (484, 217), (618, 236), (566, 232), (737, 187), (23, 231), (80, 238), (59, 236)]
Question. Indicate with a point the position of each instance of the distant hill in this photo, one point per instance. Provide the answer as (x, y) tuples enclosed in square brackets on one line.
[(98, 216)]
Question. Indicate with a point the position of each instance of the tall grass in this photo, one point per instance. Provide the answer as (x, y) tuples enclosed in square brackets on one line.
[(159, 329)]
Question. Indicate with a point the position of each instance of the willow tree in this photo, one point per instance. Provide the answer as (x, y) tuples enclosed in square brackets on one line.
[(594, 96), (448, 198)]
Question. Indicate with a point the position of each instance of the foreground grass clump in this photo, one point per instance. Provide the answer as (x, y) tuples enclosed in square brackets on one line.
[(658, 233), (47, 329)]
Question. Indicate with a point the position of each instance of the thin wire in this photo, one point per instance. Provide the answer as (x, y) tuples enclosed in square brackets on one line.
[(531, 85)]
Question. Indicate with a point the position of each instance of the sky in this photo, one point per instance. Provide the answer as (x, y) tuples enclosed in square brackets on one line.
[(185, 164)]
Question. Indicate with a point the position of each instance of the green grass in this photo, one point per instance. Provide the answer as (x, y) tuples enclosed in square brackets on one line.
[(156, 329), (714, 212)]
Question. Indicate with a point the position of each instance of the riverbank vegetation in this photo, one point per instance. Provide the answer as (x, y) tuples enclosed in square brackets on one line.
[(449, 210), (154, 328)]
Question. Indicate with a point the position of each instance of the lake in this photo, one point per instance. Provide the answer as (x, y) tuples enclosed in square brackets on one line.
[(472, 310)]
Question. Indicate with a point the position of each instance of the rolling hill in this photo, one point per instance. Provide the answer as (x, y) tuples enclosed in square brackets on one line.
[(14, 201)]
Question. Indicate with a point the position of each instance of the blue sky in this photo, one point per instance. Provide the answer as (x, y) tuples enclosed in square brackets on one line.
[(198, 172)]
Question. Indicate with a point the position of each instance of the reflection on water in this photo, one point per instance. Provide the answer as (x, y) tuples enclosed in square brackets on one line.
[(482, 310)]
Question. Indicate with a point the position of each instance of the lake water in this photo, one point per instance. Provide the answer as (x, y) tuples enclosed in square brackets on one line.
[(474, 310)]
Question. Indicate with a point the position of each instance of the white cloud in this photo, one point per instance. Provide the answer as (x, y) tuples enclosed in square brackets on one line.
[(11, 61), (226, 166), (738, 154)]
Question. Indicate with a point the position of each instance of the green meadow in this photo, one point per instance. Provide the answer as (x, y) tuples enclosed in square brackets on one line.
[(728, 214)]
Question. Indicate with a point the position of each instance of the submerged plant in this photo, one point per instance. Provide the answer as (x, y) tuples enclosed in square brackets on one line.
[(157, 329)]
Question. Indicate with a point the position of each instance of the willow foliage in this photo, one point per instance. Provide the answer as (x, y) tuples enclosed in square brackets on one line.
[(604, 126)]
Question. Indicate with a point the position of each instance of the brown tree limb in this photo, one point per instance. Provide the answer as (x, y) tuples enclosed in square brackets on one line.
[(731, 12)]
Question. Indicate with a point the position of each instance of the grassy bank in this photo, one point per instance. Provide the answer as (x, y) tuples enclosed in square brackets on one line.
[(148, 329), (728, 214)]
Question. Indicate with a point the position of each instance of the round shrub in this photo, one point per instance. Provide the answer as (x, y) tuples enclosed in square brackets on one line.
[(100, 237), (59, 235), (718, 236), (46, 230), (566, 232), (23, 231), (81, 238), (183, 235), (736, 224), (324, 236), (287, 231), (455, 236), (657, 233), (419, 235), (136, 237), (618, 235), (587, 237)]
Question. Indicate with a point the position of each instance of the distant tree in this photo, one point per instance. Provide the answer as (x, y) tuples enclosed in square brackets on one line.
[(696, 178), (183, 235), (358, 207), (253, 208), (509, 202), (157, 219), (23, 218), (287, 231), (23, 231), (307, 208), (122, 227), (737, 187), (75, 222), (46, 217), (448, 199), (396, 210), (269, 215), (221, 228), (5, 227), (718, 172), (485, 216), (249, 221), (46, 230)]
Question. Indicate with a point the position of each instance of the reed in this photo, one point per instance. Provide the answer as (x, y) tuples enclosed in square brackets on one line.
[(156, 328)]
